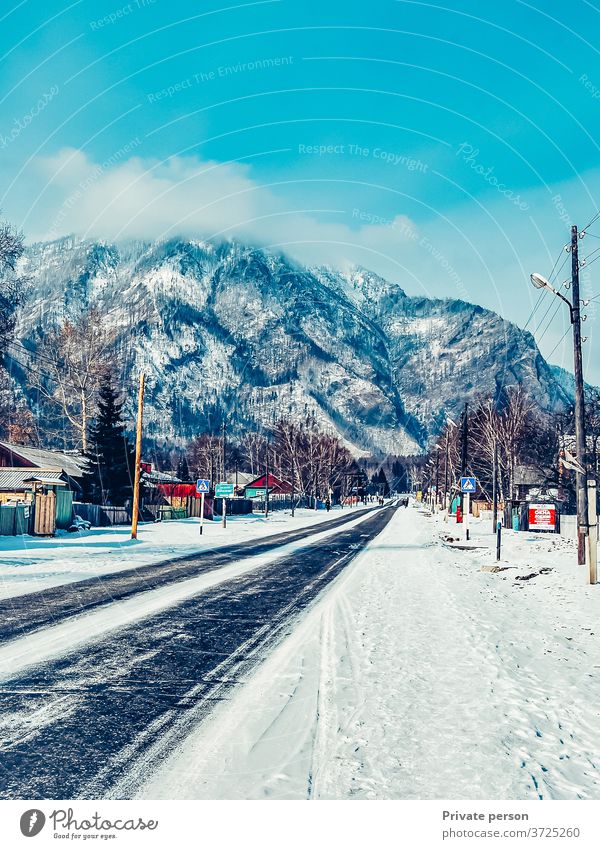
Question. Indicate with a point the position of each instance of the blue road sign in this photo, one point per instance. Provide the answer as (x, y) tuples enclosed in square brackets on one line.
[(202, 485), (468, 484)]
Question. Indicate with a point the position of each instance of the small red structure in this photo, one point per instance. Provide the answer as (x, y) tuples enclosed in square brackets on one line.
[(181, 495)]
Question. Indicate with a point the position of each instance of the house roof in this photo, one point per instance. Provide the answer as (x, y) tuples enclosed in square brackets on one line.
[(243, 478), (156, 477), (21, 479), (275, 485), (44, 459), (525, 475)]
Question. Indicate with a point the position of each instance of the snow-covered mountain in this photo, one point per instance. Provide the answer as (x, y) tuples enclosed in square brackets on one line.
[(234, 327)]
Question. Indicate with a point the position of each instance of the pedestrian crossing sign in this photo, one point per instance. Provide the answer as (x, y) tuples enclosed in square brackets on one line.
[(468, 484), (202, 486)]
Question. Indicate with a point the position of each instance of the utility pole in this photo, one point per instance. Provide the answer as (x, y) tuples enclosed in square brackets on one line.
[(138, 459), (582, 494), (464, 454), (224, 438), (293, 487), (437, 478), (267, 480), (495, 488), (446, 504), (224, 478)]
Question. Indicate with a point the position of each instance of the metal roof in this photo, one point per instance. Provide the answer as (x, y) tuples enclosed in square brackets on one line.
[(43, 459), (16, 479)]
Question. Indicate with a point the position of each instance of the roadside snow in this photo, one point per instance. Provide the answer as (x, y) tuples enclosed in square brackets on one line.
[(419, 674), (29, 564)]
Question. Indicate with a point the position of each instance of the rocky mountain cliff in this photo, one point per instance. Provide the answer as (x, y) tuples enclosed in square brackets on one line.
[(236, 328)]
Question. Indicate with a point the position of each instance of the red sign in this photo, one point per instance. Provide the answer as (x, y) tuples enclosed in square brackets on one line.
[(542, 517)]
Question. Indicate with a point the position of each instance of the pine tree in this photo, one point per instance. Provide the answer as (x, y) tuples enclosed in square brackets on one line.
[(382, 483), (183, 471), (110, 456)]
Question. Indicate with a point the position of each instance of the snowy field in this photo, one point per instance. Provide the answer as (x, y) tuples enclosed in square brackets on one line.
[(420, 674), (29, 564)]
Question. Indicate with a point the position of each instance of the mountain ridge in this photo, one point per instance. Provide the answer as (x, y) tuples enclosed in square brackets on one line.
[(236, 330)]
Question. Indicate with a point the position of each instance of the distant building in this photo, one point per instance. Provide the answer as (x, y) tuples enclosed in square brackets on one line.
[(278, 489), (23, 468), (240, 480), (531, 483)]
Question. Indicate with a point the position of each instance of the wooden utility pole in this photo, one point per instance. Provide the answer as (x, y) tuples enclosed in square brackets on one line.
[(582, 494), (446, 501), (223, 448), (138, 459), (267, 480), (293, 486), (464, 454)]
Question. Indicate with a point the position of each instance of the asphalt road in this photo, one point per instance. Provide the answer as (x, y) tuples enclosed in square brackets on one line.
[(23, 614), (85, 725)]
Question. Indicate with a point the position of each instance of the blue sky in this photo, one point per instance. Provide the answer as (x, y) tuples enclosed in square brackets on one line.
[(446, 146)]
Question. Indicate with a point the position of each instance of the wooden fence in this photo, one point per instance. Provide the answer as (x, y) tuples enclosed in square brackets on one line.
[(102, 516)]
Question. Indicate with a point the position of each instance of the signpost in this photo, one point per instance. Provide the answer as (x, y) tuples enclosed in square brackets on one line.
[(542, 517), (224, 491), (467, 486), (202, 486)]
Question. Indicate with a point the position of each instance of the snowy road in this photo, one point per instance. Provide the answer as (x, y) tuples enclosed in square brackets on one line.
[(421, 674), (93, 722), (24, 614)]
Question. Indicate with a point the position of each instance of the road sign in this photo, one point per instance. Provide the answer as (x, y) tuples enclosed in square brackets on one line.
[(468, 484), (202, 485), (542, 517), (256, 492), (224, 490)]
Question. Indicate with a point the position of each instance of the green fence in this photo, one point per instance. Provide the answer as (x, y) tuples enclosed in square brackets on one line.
[(16, 519), (166, 514), (64, 508)]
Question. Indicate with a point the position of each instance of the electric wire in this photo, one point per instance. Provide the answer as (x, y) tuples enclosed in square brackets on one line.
[(560, 341)]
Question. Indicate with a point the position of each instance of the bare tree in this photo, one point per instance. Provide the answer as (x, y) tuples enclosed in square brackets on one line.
[(68, 367), (203, 456), (316, 461), (13, 286)]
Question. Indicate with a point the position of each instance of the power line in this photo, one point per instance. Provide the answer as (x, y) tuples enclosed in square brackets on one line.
[(596, 216), (558, 343), (548, 325)]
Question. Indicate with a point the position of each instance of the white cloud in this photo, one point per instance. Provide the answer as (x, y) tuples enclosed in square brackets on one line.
[(481, 251)]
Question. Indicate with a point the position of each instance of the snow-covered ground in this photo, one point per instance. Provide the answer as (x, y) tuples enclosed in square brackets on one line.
[(29, 564), (421, 673)]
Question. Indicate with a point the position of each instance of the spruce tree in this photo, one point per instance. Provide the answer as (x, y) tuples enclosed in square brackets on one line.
[(382, 483), (110, 457)]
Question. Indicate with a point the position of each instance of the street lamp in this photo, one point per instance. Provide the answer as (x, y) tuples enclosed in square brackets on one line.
[(540, 282)]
